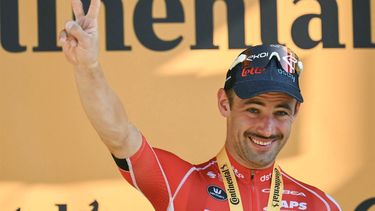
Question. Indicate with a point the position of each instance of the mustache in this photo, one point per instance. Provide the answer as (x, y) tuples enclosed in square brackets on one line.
[(257, 135)]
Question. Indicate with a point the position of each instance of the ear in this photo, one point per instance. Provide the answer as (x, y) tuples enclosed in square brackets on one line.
[(223, 103), (296, 109)]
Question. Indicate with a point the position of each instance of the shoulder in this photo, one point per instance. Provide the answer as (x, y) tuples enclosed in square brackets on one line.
[(179, 168), (170, 160), (315, 198)]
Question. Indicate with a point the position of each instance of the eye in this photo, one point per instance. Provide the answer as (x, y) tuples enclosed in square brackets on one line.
[(282, 113), (253, 110)]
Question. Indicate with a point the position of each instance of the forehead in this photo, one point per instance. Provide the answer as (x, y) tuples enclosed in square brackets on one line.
[(269, 98)]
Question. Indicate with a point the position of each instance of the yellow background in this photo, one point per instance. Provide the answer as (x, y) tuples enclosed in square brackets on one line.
[(50, 154)]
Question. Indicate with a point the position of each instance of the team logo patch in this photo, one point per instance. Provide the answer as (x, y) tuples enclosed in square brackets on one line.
[(217, 193)]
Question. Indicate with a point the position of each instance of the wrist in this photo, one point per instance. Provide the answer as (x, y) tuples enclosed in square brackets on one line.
[(91, 66)]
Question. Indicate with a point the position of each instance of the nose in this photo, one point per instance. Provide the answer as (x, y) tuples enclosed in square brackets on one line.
[(266, 126)]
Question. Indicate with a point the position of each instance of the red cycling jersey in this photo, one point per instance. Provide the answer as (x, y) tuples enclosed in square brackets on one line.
[(171, 183)]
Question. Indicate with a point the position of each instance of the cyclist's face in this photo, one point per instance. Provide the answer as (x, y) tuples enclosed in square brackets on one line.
[(258, 127)]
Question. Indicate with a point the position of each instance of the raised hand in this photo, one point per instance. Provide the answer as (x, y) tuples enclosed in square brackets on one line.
[(79, 39)]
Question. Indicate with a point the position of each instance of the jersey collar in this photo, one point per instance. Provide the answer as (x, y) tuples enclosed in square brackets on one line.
[(247, 175)]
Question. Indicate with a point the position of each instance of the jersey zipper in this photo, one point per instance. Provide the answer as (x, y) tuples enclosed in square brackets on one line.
[(254, 195)]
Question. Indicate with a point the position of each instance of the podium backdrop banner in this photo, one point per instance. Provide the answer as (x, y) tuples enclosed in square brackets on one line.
[(166, 60)]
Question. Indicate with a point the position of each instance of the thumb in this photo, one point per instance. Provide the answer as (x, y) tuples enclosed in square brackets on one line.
[(75, 30)]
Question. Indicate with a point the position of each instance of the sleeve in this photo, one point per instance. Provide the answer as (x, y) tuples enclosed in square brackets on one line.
[(154, 172), (321, 200), (316, 199)]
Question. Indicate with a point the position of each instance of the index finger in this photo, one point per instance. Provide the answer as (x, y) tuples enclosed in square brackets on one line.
[(94, 9), (77, 9)]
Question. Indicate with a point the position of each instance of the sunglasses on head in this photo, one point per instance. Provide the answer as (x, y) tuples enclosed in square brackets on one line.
[(261, 55)]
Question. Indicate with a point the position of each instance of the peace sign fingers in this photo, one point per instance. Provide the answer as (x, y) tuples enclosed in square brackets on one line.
[(93, 12), (78, 9), (94, 9), (80, 37)]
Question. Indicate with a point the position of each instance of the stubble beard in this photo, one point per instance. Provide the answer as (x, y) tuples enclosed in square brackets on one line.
[(256, 158)]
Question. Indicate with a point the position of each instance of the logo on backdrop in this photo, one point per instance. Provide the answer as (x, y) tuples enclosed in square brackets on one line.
[(204, 25), (366, 204)]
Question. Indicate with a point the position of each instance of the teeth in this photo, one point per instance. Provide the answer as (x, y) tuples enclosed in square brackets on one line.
[(261, 142)]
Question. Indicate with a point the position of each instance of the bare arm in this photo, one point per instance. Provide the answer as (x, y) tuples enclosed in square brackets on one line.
[(103, 108)]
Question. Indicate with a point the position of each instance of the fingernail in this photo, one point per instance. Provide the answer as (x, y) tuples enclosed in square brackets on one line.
[(69, 25), (62, 40)]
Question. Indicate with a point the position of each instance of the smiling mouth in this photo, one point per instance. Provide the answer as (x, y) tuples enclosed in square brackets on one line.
[(260, 142)]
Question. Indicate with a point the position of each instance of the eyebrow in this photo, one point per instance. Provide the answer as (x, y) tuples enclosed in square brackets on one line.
[(281, 105), (252, 101), (284, 105)]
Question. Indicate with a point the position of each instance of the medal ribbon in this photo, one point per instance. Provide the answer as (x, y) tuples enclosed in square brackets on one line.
[(232, 190)]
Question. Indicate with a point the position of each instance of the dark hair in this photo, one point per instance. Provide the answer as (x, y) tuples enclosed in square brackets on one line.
[(230, 95)]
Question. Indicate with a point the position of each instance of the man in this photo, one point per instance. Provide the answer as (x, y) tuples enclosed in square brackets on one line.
[(260, 100)]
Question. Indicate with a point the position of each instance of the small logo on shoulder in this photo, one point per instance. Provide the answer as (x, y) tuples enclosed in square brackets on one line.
[(217, 193)]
